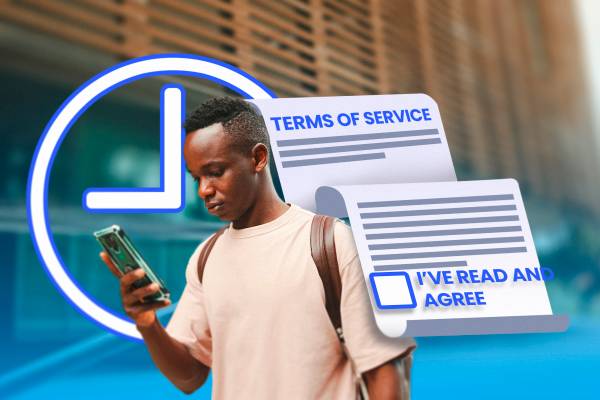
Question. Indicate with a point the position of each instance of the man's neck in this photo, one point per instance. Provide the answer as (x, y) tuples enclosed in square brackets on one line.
[(266, 208)]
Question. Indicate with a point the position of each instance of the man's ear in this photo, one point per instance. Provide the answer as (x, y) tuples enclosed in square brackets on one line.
[(260, 154)]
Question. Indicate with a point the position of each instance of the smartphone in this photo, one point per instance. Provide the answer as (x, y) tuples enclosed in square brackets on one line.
[(126, 258)]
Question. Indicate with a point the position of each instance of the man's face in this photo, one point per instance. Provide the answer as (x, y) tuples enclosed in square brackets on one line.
[(227, 179)]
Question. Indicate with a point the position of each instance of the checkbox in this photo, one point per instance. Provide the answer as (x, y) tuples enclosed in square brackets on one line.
[(392, 290)]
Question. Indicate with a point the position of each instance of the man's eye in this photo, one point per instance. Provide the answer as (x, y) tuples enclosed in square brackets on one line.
[(215, 173)]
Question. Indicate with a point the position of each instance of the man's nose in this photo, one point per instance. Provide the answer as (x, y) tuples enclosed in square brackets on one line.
[(205, 189)]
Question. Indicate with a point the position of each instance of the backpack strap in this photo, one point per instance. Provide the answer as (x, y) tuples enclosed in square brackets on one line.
[(206, 252), (322, 247)]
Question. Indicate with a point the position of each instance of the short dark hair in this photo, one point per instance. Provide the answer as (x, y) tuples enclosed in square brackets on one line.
[(240, 119)]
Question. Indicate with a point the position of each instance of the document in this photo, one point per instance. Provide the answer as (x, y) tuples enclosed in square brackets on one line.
[(439, 257), (319, 141), (445, 251)]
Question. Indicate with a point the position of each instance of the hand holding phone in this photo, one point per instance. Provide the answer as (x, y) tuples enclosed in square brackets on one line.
[(142, 291), (142, 313)]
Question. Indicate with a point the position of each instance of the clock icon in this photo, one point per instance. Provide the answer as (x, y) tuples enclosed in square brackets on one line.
[(168, 197)]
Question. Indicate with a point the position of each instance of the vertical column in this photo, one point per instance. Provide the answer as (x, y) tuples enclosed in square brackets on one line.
[(243, 48), (498, 115), (530, 61), (514, 85), (383, 80), (426, 48), (320, 48), (466, 38), (136, 39)]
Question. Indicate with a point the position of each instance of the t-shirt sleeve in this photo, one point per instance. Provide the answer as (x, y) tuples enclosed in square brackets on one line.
[(189, 323), (368, 347)]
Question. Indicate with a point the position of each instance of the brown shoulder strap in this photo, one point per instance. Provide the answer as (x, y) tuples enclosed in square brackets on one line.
[(206, 252), (322, 246)]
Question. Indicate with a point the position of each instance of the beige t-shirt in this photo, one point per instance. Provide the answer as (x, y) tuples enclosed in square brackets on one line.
[(259, 320)]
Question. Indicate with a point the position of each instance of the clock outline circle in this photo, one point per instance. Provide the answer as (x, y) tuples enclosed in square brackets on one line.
[(58, 127)]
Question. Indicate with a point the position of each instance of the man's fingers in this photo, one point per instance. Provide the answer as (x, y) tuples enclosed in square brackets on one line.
[(110, 264), (145, 291), (133, 310), (131, 277)]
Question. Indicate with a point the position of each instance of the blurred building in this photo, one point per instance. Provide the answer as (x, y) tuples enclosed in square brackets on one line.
[(510, 89), (507, 75)]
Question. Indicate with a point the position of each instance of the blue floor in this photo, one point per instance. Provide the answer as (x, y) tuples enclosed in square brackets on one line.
[(535, 366)]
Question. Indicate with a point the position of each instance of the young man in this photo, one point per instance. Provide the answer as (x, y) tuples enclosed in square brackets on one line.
[(258, 318)]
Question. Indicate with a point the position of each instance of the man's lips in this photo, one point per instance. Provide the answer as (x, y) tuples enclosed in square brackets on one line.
[(214, 206)]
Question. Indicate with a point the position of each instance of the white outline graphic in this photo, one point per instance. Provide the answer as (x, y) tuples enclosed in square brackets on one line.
[(170, 196), (173, 64)]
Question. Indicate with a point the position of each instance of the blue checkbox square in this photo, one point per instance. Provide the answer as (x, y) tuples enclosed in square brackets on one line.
[(392, 290)]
